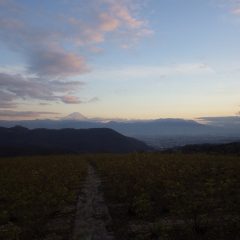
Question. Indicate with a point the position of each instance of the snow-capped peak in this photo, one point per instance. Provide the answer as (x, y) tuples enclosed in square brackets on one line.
[(75, 116)]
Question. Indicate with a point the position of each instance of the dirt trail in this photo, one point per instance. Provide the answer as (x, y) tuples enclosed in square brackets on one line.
[(92, 215)]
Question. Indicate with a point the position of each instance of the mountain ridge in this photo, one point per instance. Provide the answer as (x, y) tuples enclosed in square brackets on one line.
[(22, 141), (134, 128)]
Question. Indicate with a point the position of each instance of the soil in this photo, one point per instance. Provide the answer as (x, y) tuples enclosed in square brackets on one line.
[(92, 221)]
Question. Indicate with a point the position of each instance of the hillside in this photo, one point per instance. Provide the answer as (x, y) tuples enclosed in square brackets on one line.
[(22, 141)]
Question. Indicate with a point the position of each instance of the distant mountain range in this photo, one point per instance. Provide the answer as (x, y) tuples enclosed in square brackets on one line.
[(18, 140), (137, 128), (22, 141)]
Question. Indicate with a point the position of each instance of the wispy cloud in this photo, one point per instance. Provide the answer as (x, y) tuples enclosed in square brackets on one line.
[(57, 63), (55, 45), (118, 18), (93, 100), (7, 99), (233, 6), (15, 87), (161, 71), (44, 45), (224, 121), (70, 99), (21, 115)]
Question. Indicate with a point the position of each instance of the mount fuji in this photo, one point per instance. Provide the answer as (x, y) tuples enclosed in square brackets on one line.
[(76, 116)]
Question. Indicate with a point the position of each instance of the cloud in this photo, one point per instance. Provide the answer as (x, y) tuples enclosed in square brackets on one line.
[(226, 121), (108, 23), (55, 45), (70, 99), (15, 86), (233, 6), (9, 115), (236, 11), (44, 104), (42, 49), (75, 100), (184, 69), (10, 6), (50, 63), (161, 71), (93, 100), (6, 100), (122, 12)]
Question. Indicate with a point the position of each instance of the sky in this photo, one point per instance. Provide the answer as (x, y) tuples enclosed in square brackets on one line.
[(128, 59)]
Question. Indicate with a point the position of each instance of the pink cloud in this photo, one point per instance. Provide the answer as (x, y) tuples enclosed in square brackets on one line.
[(122, 11), (58, 63), (233, 6), (108, 23), (111, 17), (53, 45), (70, 99), (236, 11), (96, 50), (21, 115)]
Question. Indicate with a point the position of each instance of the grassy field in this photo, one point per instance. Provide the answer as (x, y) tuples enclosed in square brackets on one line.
[(173, 196), (150, 195), (38, 196)]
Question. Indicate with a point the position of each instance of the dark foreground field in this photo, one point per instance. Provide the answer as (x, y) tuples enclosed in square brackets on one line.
[(144, 196)]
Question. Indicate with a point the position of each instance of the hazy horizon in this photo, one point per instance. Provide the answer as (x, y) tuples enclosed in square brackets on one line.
[(8, 115)]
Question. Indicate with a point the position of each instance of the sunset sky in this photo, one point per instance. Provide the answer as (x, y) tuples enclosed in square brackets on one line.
[(132, 59)]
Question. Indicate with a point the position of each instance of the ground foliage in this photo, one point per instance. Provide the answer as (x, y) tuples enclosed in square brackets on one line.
[(38, 196), (150, 195), (172, 196)]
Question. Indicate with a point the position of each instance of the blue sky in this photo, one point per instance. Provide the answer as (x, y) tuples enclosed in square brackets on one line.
[(134, 59)]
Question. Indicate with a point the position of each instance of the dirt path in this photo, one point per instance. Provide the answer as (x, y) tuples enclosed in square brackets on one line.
[(92, 215)]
